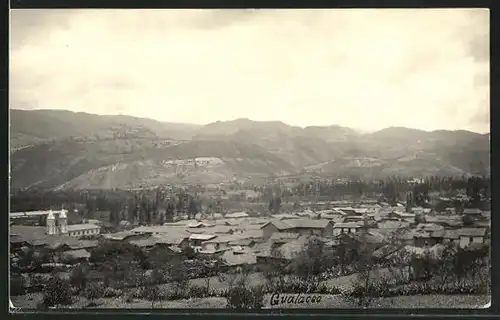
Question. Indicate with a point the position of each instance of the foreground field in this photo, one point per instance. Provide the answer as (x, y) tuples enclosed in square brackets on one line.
[(327, 302)]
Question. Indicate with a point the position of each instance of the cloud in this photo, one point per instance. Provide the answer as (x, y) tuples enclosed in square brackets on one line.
[(366, 69)]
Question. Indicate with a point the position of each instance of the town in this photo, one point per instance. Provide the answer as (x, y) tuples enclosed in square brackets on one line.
[(234, 244)]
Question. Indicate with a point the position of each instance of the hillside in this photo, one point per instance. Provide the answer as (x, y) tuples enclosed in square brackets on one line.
[(62, 149), (30, 127)]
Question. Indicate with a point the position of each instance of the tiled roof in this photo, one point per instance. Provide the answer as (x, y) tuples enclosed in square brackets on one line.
[(83, 226), (157, 229), (306, 223), (472, 211), (241, 242), (223, 238), (235, 259), (203, 237), (346, 225), (250, 234), (236, 215), (471, 232), (451, 234), (171, 238), (77, 254), (283, 236)]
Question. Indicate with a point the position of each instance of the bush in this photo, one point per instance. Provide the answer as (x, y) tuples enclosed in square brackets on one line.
[(112, 292), (245, 298), (297, 285), (430, 288), (17, 286), (153, 294), (79, 277), (93, 291), (198, 292), (57, 292)]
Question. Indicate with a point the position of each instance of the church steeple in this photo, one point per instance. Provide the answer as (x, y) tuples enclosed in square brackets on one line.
[(51, 224), (63, 222)]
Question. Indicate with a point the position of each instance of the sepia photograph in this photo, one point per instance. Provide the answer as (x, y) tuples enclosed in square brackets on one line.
[(249, 159)]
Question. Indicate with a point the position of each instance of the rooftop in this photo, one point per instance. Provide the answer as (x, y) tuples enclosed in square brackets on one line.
[(278, 236), (202, 237), (471, 232), (231, 258), (347, 225), (83, 226), (299, 223), (236, 215), (223, 238), (158, 229), (472, 211)]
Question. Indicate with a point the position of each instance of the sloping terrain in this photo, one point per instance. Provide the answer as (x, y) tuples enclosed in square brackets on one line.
[(30, 127), (109, 163), (62, 149)]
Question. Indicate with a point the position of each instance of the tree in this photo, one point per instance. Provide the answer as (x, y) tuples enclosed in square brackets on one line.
[(170, 212), (192, 208), (57, 292), (153, 294), (93, 291), (419, 218), (78, 277), (313, 259), (467, 220), (367, 275), (17, 285)]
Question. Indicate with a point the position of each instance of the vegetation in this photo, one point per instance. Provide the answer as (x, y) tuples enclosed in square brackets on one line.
[(60, 139), (57, 292)]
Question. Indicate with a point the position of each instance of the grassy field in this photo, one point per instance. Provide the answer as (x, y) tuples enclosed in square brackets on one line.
[(30, 301), (327, 302)]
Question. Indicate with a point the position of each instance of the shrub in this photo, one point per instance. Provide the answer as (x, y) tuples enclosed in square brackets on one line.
[(153, 294), (245, 298), (129, 298), (17, 286), (57, 292), (79, 277), (430, 288), (111, 292), (198, 292), (93, 291)]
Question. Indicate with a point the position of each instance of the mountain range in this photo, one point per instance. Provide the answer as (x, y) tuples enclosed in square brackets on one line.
[(55, 149)]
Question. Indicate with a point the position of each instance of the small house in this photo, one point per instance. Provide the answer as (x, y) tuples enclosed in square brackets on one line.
[(350, 227), (196, 240), (475, 212), (320, 228), (469, 236)]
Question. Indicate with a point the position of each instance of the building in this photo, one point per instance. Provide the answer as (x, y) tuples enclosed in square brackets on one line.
[(60, 226), (468, 236), (475, 212), (349, 227), (196, 240), (220, 243), (425, 239), (322, 228)]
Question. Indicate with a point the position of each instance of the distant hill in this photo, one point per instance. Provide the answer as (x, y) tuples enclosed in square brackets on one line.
[(30, 127), (62, 149)]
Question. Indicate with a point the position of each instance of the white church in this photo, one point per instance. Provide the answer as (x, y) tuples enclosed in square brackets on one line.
[(60, 226)]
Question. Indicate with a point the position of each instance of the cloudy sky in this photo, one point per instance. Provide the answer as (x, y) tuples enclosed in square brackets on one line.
[(365, 69)]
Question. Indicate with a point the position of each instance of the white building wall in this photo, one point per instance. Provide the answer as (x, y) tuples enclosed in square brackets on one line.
[(477, 240)]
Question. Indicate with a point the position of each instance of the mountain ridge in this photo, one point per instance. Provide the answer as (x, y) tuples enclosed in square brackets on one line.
[(63, 149)]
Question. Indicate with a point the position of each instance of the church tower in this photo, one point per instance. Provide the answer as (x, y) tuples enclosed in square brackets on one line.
[(63, 222), (51, 224)]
